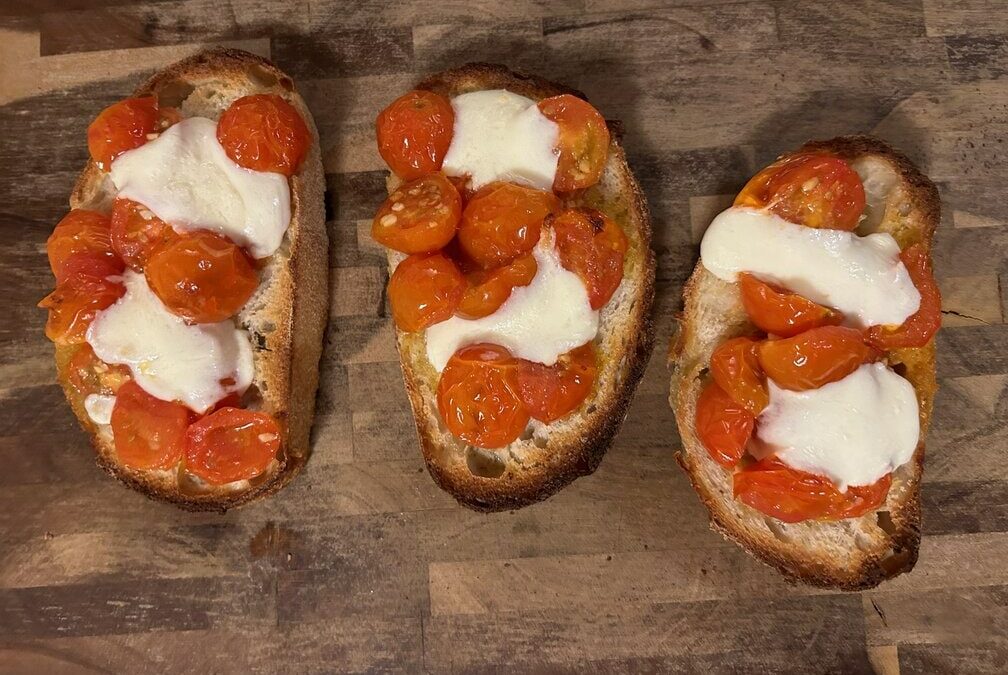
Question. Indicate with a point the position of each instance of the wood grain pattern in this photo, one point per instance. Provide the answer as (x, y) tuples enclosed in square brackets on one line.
[(363, 564)]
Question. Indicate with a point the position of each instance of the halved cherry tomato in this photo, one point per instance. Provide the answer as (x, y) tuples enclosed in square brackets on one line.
[(201, 276), (487, 290), (149, 433), (921, 326), (583, 143), (723, 426), (780, 312), (812, 189), (479, 397), (735, 367), (789, 495), (75, 302), (414, 133), (263, 132), (136, 232), (231, 444), (122, 126), (503, 221), (592, 246), (425, 289), (419, 217), (82, 232), (815, 357), (551, 392), (88, 374)]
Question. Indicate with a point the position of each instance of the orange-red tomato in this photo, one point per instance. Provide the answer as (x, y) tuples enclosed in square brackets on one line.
[(201, 276), (921, 326), (814, 358), (75, 302), (88, 374), (723, 426), (812, 189), (789, 495), (263, 132), (419, 217), (735, 367), (502, 221), (551, 392), (122, 126), (414, 133), (592, 246), (780, 312), (479, 398), (425, 289), (583, 143), (136, 232), (82, 233), (149, 433), (231, 444), (487, 290)]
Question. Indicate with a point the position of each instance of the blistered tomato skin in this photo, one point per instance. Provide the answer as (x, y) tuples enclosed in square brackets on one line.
[(780, 312), (136, 232), (424, 289), (487, 290), (503, 221), (74, 304), (419, 217), (263, 132), (148, 433), (735, 367), (815, 357), (919, 328), (552, 392), (120, 127), (583, 143), (82, 233), (593, 246), (414, 133), (231, 444), (723, 426)]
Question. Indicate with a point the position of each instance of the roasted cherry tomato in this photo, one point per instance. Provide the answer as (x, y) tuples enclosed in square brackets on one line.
[(75, 302), (88, 374), (551, 392), (487, 290), (780, 312), (122, 126), (136, 232), (789, 495), (231, 444), (723, 426), (263, 132), (414, 133), (583, 143), (815, 357), (149, 433), (419, 217), (735, 367), (812, 189), (201, 276), (424, 289), (82, 233), (921, 326), (479, 397), (592, 246), (502, 221)]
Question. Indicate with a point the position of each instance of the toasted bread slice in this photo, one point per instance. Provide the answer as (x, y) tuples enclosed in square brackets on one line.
[(546, 457), (286, 316), (849, 554)]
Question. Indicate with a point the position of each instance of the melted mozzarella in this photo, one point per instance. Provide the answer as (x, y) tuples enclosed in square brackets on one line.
[(862, 277), (502, 136), (99, 408), (168, 358), (186, 179)]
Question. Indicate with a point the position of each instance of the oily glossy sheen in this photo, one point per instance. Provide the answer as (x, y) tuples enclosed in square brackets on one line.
[(263, 132), (583, 143), (231, 444), (723, 426), (414, 133), (503, 221), (551, 392), (419, 217), (593, 246), (149, 433)]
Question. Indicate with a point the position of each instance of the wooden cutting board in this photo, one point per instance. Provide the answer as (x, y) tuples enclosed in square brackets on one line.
[(362, 564)]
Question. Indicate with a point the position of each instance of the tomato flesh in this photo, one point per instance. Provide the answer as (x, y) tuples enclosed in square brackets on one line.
[(419, 217), (779, 312), (479, 396), (87, 374), (551, 392), (149, 433), (789, 495), (583, 142), (921, 326), (136, 232), (120, 127), (815, 357), (201, 276), (723, 426), (414, 133), (263, 132), (503, 221), (592, 246), (735, 367), (812, 189), (82, 233), (75, 302), (487, 290), (231, 444), (424, 289)]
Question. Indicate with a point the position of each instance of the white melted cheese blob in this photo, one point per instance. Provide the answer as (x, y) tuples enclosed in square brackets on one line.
[(853, 431), (186, 179), (539, 322), (862, 277), (499, 135), (169, 359), (99, 408)]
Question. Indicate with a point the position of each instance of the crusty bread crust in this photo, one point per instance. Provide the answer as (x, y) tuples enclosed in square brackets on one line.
[(541, 463), (285, 318), (850, 554)]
